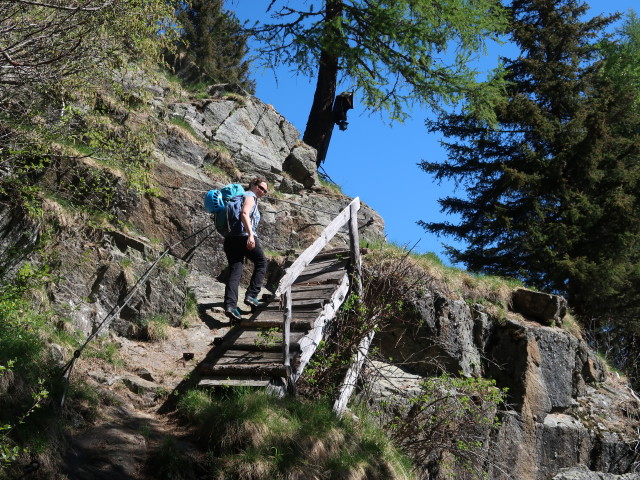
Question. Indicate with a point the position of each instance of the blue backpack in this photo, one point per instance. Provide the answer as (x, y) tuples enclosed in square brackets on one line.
[(215, 200), (226, 205)]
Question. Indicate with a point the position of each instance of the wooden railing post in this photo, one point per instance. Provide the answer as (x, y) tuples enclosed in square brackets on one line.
[(354, 240), (286, 331)]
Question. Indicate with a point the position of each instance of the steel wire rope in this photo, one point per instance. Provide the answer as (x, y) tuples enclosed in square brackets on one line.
[(116, 309)]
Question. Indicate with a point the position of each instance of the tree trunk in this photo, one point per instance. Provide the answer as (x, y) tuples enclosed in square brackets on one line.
[(320, 121)]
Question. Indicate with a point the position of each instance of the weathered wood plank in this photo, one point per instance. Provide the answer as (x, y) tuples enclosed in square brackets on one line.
[(235, 382), (325, 267), (311, 292), (286, 331), (349, 382), (297, 324), (258, 370), (312, 288), (309, 342), (329, 277), (331, 254), (308, 255), (242, 356), (271, 314), (356, 259), (300, 305), (308, 294), (256, 340)]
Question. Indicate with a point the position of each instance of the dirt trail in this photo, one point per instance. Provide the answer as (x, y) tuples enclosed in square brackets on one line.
[(137, 389)]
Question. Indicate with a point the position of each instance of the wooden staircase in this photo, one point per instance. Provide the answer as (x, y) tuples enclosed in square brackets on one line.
[(273, 346), (251, 354)]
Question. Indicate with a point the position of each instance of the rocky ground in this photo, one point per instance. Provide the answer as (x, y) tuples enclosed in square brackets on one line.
[(127, 435)]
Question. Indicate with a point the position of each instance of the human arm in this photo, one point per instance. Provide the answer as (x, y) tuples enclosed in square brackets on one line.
[(245, 218)]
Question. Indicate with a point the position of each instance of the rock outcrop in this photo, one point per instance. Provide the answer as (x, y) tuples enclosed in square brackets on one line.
[(565, 407)]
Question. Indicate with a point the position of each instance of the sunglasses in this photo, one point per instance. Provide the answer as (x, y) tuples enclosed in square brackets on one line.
[(264, 190)]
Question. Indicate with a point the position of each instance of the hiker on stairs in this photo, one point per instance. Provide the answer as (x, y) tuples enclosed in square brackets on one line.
[(245, 245)]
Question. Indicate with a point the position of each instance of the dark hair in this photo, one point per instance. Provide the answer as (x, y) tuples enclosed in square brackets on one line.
[(257, 181)]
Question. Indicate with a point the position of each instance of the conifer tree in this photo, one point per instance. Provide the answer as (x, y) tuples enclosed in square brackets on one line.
[(212, 46), (552, 192)]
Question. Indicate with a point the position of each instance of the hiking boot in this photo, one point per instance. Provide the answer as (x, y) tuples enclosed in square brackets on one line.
[(233, 314), (251, 301)]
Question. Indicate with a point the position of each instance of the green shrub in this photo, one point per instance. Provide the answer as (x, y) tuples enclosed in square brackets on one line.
[(182, 123)]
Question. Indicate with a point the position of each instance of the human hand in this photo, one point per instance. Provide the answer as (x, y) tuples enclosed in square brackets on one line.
[(251, 242)]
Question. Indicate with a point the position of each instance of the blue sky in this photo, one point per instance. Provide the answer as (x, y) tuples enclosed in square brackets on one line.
[(372, 159)]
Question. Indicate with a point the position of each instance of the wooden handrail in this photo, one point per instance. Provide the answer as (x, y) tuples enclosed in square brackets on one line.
[(348, 214)]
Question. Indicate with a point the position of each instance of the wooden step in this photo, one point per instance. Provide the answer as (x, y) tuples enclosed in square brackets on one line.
[(275, 314), (309, 304), (300, 293), (332, 277), (257, 340), (324, 267), (241, 356), (232, 370), (334, 253), (325, 264), (317, 290), (233, 382), (297, 323)]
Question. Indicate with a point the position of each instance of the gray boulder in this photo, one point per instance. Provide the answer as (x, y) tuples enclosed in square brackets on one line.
[(301, 165), (544, 307)]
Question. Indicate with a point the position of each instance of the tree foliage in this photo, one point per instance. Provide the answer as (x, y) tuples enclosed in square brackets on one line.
[(212, 46), (391, 54), (51, 54), (552, 194), (48, 43)]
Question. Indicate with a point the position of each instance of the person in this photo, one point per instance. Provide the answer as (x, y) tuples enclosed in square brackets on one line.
[(245, 245)]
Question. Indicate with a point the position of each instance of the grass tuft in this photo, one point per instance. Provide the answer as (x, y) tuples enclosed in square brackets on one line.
[(255, 435)]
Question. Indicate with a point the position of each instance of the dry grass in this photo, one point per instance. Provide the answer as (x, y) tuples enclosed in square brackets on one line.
[(427, 272), (571, 325)]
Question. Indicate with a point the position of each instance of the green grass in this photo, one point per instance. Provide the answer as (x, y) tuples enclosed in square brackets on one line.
[(190, 313), (453, 281), (155, 328), (184, 125), (332, 187), (287, 438), (27, 374), (167, 262), (214, 171), (104, 350)]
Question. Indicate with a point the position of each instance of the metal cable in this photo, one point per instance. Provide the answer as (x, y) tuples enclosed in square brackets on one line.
[(116, 309)]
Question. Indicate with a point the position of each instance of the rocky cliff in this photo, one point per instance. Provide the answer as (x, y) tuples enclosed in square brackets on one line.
[(566, 410)]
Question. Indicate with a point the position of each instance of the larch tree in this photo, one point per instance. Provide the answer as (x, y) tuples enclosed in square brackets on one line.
[(391, 55), (552, 192)]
